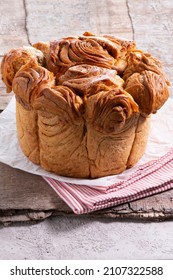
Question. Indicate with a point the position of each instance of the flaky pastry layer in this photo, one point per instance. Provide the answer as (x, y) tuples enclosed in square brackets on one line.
[(83, 103)]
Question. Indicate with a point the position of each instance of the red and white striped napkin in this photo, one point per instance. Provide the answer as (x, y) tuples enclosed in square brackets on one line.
[(150, 178)]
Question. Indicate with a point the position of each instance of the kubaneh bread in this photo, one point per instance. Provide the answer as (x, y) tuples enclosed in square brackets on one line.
[(83, 103)]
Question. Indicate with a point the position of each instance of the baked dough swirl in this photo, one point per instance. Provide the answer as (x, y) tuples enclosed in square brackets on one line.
[(16, 58), (83, 103)]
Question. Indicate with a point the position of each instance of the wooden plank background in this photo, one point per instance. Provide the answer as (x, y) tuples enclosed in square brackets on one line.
[(24, 196)]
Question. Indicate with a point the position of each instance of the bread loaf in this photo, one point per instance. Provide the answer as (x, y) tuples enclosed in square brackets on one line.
[(83, 103)]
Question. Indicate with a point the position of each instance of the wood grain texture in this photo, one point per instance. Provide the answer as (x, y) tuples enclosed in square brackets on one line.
[(12, 35), (152, 22), (64, 18), (26, 197), (13, 31)]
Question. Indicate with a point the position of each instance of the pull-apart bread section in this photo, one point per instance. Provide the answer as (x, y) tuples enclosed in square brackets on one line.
[(83, 103)]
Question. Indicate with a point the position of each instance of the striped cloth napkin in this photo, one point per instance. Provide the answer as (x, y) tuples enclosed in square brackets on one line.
[(150, 178)]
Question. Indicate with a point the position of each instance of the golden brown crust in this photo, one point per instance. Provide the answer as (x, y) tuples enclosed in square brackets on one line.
[(26, 122), (101, 51), (15, 59), (108, 155), (29, 80), (111, 112), (84, 103), (87, 79), (138, 62), (140, 140), (61, 132), (43, 47), (112, 117), (148, 89)]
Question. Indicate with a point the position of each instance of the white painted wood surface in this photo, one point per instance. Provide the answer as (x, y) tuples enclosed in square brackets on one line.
[(150, 23)]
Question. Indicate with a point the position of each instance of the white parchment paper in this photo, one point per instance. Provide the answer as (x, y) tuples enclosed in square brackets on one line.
[(160, 141)]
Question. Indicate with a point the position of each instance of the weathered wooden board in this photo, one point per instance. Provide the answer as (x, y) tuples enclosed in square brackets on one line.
[(12, 25), (152, 23), (26, 197), (12, 35), (64, 18)]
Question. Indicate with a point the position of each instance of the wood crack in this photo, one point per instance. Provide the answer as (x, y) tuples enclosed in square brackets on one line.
[(131, 21), (25, 25)]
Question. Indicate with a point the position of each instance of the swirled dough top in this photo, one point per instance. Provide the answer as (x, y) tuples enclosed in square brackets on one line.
[(87, 65)]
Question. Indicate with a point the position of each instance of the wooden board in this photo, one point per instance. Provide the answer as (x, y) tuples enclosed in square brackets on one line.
[(26, 197), (13, 25)]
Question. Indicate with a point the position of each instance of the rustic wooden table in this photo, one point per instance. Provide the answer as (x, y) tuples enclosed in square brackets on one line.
[(25, 197)]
